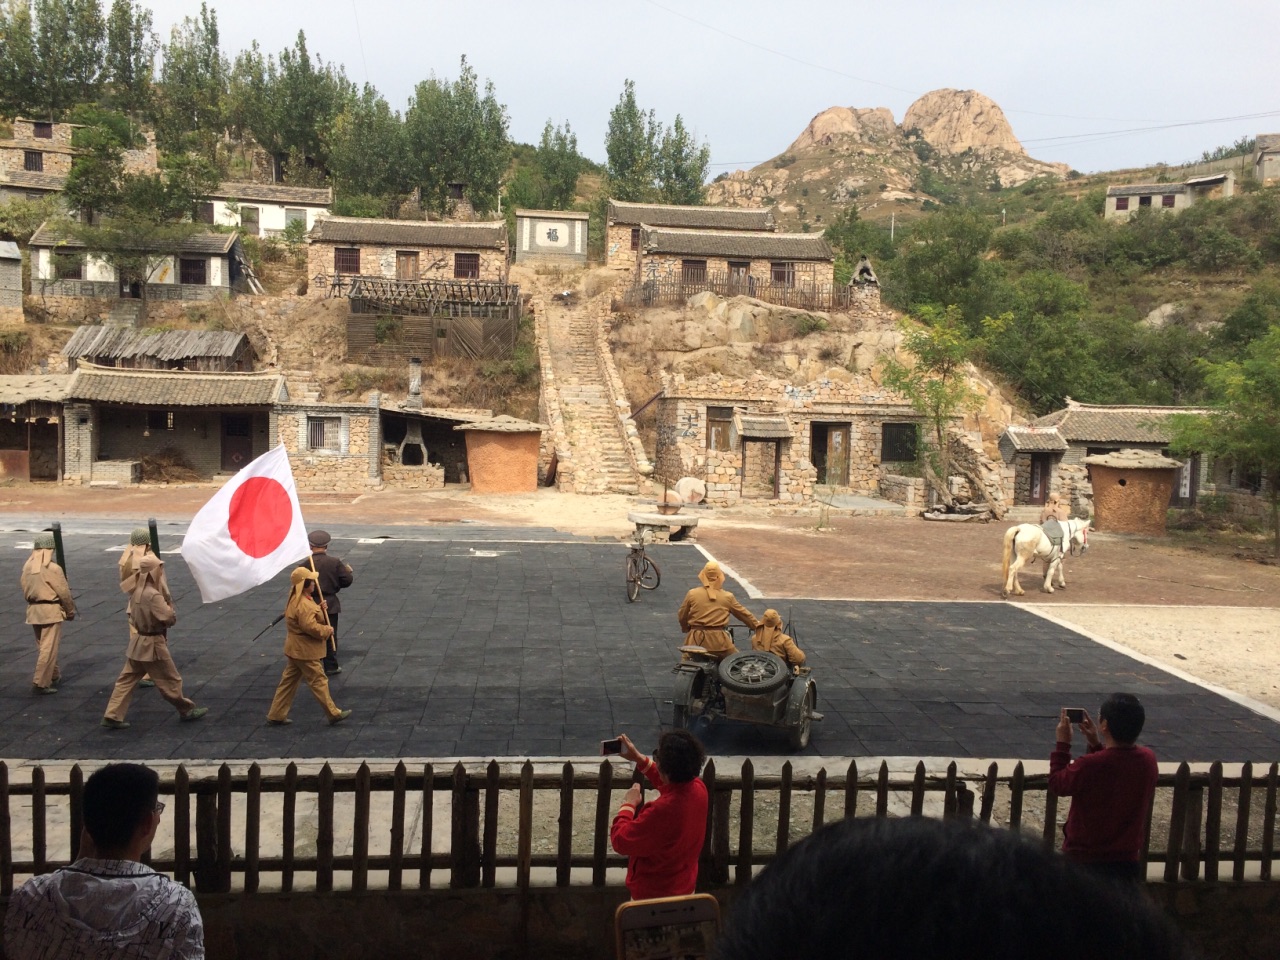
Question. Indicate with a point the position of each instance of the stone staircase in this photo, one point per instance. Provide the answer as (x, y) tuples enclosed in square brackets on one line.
[(601, 460), (302, 386)]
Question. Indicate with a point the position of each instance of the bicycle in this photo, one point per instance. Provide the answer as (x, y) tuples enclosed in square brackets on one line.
[(642, 572)]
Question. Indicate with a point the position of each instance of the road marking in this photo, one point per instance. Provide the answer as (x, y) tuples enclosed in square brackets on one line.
[(747, 585)]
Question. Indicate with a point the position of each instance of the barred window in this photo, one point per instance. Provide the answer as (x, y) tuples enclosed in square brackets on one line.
[(635, 238), (693, 271), (193, 270), (42, 130), (898, 442), (784, 273), (466, 266), (33, 161), (346, 260), (159, 419), (323, 433)]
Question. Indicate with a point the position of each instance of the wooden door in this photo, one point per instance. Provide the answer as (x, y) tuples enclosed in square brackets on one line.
[(237, 441), (838, 455), (1040, 468), (407, 265)]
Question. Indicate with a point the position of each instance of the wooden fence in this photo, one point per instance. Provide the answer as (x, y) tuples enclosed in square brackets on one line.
[(806, 296), (1203, 826)]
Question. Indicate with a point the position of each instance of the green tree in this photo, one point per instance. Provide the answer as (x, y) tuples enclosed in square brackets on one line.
[(1256, 314), (682, 166), (942, 262), (193, 83), (936, 386), (1245, 427), (130, 56), (139, 219), (559, 165), (70, 38), (366, 148), (631, 144), (19, 92), (454, 134)]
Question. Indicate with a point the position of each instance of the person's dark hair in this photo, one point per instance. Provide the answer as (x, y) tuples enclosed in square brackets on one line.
[(905, 888), (1124, 715), (679, 756), (117, 800)]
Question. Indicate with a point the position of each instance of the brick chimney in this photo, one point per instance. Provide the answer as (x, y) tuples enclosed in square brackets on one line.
[(414, 401)]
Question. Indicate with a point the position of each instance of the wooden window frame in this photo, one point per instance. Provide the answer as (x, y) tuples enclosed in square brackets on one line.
[(462, 266), (1168, 200), (33, 161), (899, 438), (159, 419), (257, 220), (204, 212), (42, 129), (783, 272), (720, 429), (324, 434), (295, 215), (693, 271), (635, 238), (189, 268), (457, 191), (1122, 203), (68, 267), (346, 260)]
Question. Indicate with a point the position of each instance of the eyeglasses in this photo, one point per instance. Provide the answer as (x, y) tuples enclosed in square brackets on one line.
[(159, 806)]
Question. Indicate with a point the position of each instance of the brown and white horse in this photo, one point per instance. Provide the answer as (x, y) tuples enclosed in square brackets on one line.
[(1026, 543)]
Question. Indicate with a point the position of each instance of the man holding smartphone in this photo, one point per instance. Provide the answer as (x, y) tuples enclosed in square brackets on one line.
[(1111, 787), (663, 837)]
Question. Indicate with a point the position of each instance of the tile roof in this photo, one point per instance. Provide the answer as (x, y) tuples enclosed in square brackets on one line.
[(555, 214), (1266, 142), (705, 218), (175, 388), (436, 413), (1133, 460), (409, 233), (9, 250), (503, 424), (274, 193), (1035, 439), (1113, 424), (737, 243), (206, 241), (119, 342), (23, 388), (761, 426), (27, 180), (1146, 189), (1209, 178)]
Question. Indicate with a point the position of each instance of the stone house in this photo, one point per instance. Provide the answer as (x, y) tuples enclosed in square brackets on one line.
[(735, 261), (21, 185), (218, 421), (265, 209), (767, 439), (623, 222), (31, 426), (1126, 200), (1048, 454), (556, 236), (39, 146), (1266, 158), (407, 250), (331, 446), (10, 283), (204, 266), (117, 345)]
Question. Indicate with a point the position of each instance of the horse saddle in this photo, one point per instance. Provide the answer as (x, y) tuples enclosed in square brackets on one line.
[(1053, 530)]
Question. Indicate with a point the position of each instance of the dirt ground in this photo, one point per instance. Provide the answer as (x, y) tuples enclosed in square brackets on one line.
[(1214, 617)]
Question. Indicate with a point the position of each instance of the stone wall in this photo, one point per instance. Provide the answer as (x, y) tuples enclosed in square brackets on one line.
[(502, 462), (355, 465), (997, 477), (908, 491), (56, 161), (617, 394), (665, 266), (617, 247), (62, 132), (11, 284), (429, 476), (434, 263)]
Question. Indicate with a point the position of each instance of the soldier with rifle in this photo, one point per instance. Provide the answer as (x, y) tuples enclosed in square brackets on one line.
[(49, 602)]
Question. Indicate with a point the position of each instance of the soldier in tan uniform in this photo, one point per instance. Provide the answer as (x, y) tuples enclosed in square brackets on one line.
[(49, 602), (139, 546), (1055, 509), (770, 638), (306, 639), (704, 615), (150, 615)]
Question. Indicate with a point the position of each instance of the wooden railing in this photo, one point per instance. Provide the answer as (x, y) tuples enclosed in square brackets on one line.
[(386, 829)]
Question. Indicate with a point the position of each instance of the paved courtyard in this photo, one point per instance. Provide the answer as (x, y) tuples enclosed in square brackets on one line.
[(457, 641)]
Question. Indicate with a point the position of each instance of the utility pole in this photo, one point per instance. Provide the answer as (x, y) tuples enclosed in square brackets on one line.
[(892, 221)]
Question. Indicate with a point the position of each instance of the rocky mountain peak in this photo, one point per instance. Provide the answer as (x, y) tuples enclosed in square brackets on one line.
[(834, 122), (953, 121)]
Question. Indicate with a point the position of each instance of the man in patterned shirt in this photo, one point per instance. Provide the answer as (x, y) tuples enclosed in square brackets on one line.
[(107, 904)]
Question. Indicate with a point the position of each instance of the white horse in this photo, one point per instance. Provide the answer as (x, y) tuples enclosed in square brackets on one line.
[(1026, 543)]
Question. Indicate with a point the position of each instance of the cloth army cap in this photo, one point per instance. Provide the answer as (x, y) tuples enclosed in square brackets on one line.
[(43, 541), (319, 538), (140, 537)]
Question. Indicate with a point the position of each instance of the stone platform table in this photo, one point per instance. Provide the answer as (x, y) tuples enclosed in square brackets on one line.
[(656, 527)]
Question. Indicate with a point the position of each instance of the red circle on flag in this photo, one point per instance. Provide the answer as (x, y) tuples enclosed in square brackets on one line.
[(260, 516)]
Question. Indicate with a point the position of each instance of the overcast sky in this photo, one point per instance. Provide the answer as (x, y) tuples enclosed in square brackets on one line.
[(748, 75)]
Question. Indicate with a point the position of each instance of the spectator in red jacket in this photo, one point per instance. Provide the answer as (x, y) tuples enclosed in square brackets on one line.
[(1111, 788), (662, 838)]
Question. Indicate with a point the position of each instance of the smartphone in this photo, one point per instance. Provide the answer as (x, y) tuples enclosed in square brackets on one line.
[(667, 929), (611, 748), (1075, 714)]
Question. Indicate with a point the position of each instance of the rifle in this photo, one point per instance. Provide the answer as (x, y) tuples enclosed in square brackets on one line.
[(267, 627), (56, 529), (155, 536)]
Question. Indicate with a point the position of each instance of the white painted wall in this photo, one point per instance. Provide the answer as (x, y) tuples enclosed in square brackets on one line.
[(271, 216)]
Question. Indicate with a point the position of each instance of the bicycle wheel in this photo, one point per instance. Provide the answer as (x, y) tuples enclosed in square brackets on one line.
[(650, 575), (634, 570)]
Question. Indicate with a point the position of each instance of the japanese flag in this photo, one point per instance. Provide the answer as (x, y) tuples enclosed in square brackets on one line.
[(249, 531)]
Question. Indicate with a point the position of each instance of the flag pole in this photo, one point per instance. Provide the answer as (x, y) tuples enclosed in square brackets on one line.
[(323, 609)]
